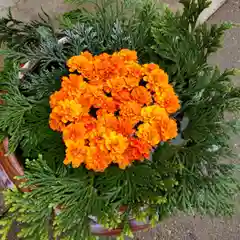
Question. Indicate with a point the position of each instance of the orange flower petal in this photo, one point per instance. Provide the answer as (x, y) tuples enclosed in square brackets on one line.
[(167, 99), (141, 95)]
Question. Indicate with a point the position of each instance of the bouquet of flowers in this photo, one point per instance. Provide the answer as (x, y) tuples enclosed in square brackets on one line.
[(114, 118), (113, 111)]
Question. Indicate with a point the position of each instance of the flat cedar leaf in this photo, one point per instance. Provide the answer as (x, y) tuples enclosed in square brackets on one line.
[(163, 152), (169, 183), (2, 135), (202, 83)]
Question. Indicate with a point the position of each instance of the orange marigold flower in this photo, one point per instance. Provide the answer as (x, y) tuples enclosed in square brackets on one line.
[(149, 133), (131, 154), (91, 96), (153, 113), (117, 83), (127, 54), (137, 150), (108, 120), (143, 147), (119, 125), (121, 160), (78, 63), (87, 55), (150, 67), (141, 95), (69, 110), (156, 78), (74, 83), (73, 132), (56, 97), (94, 91), (72, 63), (115, 142), (96, 159), (122, 95), (75, 153), (101, 112), (82, 65), (55, 122), (130, 109), (131, 82), (89, 123), (124, 127), (167, 99), (106, 103), (167, 129), (134, 70)]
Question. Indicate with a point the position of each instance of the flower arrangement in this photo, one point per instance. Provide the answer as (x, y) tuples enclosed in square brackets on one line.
[(118, 108), (113, 111)]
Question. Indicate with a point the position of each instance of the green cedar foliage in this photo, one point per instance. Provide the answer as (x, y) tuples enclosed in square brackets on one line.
[(20, 36), (191, 173)]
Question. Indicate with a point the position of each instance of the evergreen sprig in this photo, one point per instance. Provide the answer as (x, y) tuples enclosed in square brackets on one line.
[(19, 35)]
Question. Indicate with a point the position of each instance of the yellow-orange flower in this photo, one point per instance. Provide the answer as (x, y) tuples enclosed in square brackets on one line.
[(87, 55), (74, 85), (68, 111), (55, 122), (74, 132), (108, 120), (125, 127), (121, 160), (106, 103), (117, 83), (153, 113), (56, 97), (137, 150), (111, 109), (96, 159), (75, 153), (148, 68), (141, 95), (149, 133), (156, 78), (127, 54), (80, 64), (122, 95), (135, 70), (131, 110), (167, 99), (115, 142), (167, 129)]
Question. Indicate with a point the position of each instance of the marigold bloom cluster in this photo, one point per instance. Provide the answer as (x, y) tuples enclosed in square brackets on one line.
[(111, 109)]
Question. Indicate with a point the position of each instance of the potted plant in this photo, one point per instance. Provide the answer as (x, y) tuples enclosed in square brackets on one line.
[(115, 117)]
